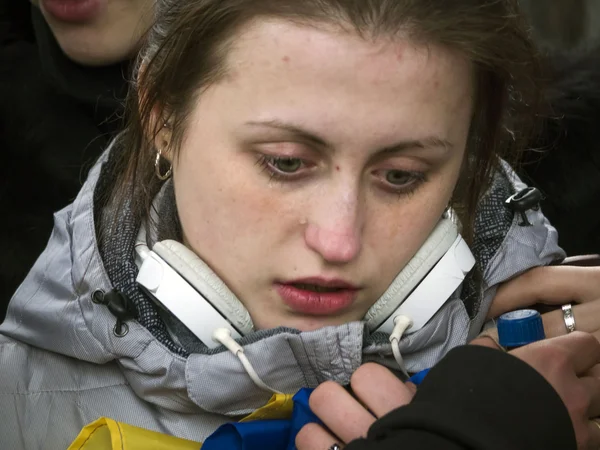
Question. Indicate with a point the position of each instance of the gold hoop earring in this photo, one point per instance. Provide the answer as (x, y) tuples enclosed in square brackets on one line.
[(167, 174)]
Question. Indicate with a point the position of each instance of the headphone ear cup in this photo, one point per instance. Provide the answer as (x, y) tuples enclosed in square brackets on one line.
[(437, 244), (197, 273)]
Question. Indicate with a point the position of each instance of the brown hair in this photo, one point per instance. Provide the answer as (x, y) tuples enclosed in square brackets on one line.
[(187, 47)]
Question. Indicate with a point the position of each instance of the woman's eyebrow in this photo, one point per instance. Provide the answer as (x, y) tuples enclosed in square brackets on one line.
[(427, 142), (298, 132), (293, 130)]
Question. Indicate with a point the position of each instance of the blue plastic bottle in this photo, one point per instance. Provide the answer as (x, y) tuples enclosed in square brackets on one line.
[(515, 329), (521, 327)]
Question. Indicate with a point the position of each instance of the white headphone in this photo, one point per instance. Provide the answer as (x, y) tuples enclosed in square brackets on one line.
[(183, 284)]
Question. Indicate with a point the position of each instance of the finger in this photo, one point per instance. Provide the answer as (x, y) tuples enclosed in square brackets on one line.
[(582, 349), (577, 352), (411, 387), (591, 385), (486, 341), (551, 285), (587, 318), (379, 389), (315, 437), (593, 434), (340, 412), (593, 372)]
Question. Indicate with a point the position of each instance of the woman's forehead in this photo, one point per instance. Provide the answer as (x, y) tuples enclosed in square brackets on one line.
[(270, 45), (337, 82)]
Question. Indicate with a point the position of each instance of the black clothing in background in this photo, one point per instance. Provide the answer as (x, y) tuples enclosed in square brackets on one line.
[(476, 398), (56, 117), (565, 161)]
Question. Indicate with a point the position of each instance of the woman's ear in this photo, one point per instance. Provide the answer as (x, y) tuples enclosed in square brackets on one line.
[(154, 117), (162, 140)]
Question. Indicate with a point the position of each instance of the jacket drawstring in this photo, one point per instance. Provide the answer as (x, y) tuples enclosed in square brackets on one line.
[(120, 306)]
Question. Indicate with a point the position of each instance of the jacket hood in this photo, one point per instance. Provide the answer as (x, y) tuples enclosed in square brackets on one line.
[(54, 310)]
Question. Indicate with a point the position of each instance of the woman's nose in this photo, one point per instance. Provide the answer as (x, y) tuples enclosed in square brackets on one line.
[(336, 246), (335, 230)]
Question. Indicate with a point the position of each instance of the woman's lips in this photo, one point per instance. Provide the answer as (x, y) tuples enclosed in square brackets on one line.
[(315, 303), (73, 11)]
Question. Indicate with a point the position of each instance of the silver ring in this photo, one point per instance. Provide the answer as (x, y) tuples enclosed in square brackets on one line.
[(335, 447), (568, 317)]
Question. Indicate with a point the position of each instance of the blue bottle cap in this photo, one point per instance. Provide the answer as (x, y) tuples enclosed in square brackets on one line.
[(521, 327)]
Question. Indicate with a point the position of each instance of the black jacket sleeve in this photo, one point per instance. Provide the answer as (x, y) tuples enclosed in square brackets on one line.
[(481, 399)]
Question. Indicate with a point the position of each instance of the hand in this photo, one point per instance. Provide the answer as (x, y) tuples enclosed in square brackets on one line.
[(570, 364), (378, 390), (554, 285)]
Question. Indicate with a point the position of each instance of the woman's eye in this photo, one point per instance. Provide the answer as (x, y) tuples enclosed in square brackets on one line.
[(402, 181), (282, 167), (399, 178), (287, 165)]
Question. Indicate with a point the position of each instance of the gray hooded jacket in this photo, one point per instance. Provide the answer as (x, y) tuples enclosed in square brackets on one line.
[(62, 367)]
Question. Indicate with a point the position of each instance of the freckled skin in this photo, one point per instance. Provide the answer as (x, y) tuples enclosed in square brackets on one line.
[(339, 217)]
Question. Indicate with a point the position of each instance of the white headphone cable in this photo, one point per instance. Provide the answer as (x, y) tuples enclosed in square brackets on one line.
[(401, 324), (223, 336)]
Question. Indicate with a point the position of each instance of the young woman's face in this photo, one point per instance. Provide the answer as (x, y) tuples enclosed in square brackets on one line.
[(98, 32), (311, 175)]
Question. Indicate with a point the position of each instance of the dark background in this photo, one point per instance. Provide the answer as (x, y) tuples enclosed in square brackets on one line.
[(564, 24)]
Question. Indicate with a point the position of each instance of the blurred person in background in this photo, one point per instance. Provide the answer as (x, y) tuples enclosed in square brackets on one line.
[(63, 73), (564, 162)]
